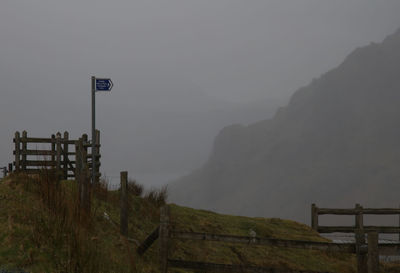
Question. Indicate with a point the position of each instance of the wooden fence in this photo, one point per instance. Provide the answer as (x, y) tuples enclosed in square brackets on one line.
[(164, 233), (360, 230), (358, 211), (59, 154), (5, 171)]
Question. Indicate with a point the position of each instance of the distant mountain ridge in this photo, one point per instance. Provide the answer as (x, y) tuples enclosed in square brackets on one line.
[(336, 143)]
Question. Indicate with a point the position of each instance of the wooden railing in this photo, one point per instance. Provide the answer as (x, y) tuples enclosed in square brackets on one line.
[(165, 234), (358, 213), (360, 230), (59, 154)]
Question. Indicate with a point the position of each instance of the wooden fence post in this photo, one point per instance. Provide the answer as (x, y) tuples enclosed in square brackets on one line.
[(85, 174), (314, 217), (4, 169), (81, 172), (65, 154), (78, 168), (78, 159), (17, 151), (362, 260), (58, 147), (97, 157), (163, 236), (24, 148), (53, 149), (373, 252), (124, 204), (399, 224), (85, 150)]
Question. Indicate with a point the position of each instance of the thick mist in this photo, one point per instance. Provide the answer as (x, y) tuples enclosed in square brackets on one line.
[(182, 69)]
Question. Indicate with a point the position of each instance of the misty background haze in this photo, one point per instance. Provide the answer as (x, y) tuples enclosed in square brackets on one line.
[(182, 69)]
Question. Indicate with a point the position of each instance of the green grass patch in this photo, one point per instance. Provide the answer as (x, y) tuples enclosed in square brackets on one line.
[(40, 234)]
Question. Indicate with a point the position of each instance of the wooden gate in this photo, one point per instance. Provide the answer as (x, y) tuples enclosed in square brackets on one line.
[(62, 154)]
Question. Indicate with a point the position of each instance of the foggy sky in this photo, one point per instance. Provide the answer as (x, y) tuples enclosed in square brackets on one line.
[(180, 68)]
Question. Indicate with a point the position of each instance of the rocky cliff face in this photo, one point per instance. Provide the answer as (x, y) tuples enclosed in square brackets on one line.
[(336, 143)]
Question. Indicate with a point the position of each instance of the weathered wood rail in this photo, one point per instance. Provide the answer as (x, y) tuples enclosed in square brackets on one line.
[(228, 268), (148, 242), (165, 234), (358, 212), (300, 244), (367, 261), (59, 154)]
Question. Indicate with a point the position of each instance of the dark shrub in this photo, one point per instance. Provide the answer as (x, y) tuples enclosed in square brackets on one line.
[(135, 188), (157, 196)]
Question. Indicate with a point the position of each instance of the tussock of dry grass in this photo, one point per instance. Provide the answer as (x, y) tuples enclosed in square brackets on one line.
[(135, 188), (158, 197), (48, 231)]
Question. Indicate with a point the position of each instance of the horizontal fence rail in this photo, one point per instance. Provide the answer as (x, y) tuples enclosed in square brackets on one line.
[(299, 244), (212, 267), (148, 242), (353, 229), (389, 249), (370, 211)]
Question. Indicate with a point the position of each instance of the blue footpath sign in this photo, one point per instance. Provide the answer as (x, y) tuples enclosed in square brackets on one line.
[(104, 84)]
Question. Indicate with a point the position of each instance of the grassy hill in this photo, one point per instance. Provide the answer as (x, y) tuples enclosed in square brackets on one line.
[(43, 230)]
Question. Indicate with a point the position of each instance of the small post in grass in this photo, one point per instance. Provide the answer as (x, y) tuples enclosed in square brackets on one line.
[(163, 236), (96, 166), (124, 204), (65, 155), (362, 259), (58, 147), (78, 168), (399, 224), (81, 174), (17, 151), (24, 149), (53, 149), (85, 175), (314, 217), (373, 252)]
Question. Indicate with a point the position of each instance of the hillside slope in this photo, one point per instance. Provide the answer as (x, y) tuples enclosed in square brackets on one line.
[(336, 143), (41, 238)]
